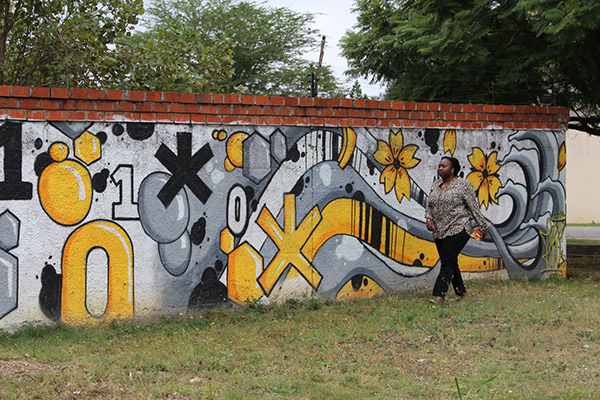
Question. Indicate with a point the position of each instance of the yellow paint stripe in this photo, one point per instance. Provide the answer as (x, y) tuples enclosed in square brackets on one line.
[(479, 264), (347, 147)]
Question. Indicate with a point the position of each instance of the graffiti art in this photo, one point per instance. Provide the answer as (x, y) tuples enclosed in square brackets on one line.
[(168, 218)]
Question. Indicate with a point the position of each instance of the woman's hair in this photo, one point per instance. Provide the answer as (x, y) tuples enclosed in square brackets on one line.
[(455, 164)]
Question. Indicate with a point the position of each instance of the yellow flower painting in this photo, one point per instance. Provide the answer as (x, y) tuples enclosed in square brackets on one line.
[(450, 141), (397, 158), (484, 176)]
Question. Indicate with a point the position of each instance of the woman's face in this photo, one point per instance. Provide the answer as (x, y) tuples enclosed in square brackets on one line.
[(445, 169)]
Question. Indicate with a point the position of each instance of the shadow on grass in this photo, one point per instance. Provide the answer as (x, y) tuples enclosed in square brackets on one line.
[(583, 268)]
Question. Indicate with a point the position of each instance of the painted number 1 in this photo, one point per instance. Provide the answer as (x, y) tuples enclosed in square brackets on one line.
[(125, 208), (12, 187)]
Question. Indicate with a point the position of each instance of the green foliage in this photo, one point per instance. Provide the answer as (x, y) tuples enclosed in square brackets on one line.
[(244, 46), (173, 52), (256, 306), (169, 58), (356, 91), (482, 51), (64, 43), (314, 303), (221, 46)]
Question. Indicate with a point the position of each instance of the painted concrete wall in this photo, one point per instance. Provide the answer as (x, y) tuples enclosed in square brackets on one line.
[(583, 161), (111, 217)]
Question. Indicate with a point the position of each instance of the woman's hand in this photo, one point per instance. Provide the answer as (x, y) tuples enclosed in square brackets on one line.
[(430, 225)]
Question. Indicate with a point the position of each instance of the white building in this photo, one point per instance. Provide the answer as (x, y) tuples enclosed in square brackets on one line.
[(583, 177)]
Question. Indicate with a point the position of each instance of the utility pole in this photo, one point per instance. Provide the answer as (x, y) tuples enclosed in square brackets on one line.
[(552, 77), (315, 80), (321, 58)]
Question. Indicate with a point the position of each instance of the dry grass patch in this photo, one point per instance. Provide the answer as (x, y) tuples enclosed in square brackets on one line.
[(23, 369)]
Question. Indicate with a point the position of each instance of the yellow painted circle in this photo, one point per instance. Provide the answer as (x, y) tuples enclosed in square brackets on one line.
[(59, 151), (65, 191)]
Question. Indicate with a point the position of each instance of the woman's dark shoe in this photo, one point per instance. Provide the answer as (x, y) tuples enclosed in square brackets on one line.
[(437, 300)]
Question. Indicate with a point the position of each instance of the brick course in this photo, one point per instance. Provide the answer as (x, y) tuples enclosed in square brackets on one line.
[(61, 104)]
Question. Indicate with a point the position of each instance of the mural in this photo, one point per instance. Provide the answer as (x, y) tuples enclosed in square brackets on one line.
[(109, 221)]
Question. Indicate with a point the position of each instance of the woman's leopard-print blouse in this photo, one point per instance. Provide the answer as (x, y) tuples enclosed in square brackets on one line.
[(451, 209)]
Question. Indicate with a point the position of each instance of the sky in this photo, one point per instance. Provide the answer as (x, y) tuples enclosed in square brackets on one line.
[(334, 19)]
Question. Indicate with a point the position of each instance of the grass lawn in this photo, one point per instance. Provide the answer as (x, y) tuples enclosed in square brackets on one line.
[(583, 241), (508, 340), (589, 224)]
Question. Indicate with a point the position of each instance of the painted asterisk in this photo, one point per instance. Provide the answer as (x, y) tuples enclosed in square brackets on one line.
[(289, 241), (184, 169)]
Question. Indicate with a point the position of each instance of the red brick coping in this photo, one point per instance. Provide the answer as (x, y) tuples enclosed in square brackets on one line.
[(60, 104)]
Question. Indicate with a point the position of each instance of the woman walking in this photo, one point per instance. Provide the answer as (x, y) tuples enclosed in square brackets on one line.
[(451, 205)]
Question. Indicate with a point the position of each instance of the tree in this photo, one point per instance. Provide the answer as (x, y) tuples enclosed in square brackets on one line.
[(356, 91), (63, 42), (482, 51), (295, 80), (267, 43), (169, 58)]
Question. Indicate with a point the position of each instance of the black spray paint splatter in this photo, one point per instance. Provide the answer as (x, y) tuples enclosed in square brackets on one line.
[(50, 293), (431, 139), (198, 231), (100, 180), (140, 131), (102, 137), (41, 162), (118, 129), (208, 293)]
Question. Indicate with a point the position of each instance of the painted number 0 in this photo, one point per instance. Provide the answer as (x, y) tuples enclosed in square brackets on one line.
[(116, 243), (237, 210)]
